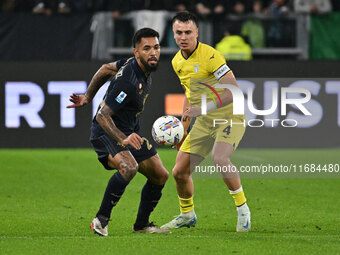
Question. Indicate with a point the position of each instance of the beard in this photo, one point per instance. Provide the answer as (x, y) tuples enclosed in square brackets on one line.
[(149, 68)]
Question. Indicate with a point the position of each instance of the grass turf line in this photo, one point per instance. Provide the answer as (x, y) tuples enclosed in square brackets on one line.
[(49, 197)]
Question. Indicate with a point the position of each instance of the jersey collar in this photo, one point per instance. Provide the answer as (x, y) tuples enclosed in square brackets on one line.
[(191, 52)]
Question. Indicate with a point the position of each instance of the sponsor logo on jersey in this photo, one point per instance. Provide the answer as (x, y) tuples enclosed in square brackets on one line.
[(120, 98)]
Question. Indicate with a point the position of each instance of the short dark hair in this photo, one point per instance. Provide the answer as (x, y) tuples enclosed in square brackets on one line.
[(185, 17), (142, 33)]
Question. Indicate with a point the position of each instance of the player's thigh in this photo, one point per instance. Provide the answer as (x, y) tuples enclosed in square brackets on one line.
[(105, 146), (186, 163), (227, 140), (114, 156), (221, 155), (230, 134), (122, 161), (199, 141), (125, 163), (221, 152), (153, 169)]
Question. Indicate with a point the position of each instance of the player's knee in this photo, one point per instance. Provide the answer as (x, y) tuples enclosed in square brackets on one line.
[(221, 160), (180, 175), (163, 177), (128, 171)]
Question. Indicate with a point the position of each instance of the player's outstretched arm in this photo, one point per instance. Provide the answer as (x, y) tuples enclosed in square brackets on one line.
[(100, 77), (104, 73), (105, 121), (78, 100)]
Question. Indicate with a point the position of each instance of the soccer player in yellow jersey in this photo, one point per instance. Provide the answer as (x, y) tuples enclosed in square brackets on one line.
[(198, 65)]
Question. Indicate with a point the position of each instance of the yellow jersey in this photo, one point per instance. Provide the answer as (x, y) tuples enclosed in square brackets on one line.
[(199, 72)]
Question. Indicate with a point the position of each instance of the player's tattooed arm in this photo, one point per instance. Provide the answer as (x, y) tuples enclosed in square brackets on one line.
[(104, 73), (100, 77), (105, 121)]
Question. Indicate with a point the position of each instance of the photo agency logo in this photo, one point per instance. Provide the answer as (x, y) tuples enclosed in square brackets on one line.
[(239, 104)]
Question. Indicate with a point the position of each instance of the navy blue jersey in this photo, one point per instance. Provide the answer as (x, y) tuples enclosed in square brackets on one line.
[(126, 96)]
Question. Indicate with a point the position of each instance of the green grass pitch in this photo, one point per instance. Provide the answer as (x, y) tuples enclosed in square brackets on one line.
[(49, 197)]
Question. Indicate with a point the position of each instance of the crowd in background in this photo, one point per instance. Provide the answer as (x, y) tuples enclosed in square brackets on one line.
[(203, 8), (234, 27)]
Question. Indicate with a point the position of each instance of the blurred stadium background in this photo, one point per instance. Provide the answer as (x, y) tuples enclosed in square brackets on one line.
[(51, 48)]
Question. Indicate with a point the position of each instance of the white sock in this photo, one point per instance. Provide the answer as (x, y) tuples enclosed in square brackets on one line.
[(236, 191), (189, 214), (242, 207)]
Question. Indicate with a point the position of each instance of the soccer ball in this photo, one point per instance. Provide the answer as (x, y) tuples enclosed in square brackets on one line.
[(167, 130)]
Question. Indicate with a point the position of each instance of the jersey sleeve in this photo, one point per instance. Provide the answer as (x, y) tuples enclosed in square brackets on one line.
[(120, 63), (218, 65), (174, 65), (121, 93)]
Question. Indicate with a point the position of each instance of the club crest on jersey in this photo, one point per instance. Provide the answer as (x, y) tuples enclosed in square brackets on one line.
[(140, 86), (196, 68), (120, 98)]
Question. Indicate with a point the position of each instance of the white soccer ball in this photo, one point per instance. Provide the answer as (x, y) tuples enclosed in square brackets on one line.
[(167, 130)]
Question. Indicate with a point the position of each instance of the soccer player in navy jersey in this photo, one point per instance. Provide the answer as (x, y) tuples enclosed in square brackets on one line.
[(115, 131)]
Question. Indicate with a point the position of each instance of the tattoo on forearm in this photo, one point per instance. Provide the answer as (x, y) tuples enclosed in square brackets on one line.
[(100, 77), (105, 121)]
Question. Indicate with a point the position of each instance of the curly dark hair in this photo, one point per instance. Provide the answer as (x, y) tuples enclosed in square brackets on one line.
[(143, 33)]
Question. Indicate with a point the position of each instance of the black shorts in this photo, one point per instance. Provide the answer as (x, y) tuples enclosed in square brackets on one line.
[(105, 145)]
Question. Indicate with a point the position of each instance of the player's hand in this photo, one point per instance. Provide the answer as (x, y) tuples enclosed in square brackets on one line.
[(178, 146), (134, 140), (185, 118), (78, 100), (192, 112)]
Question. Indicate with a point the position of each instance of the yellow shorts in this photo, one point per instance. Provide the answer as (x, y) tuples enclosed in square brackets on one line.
[(203, 135)]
